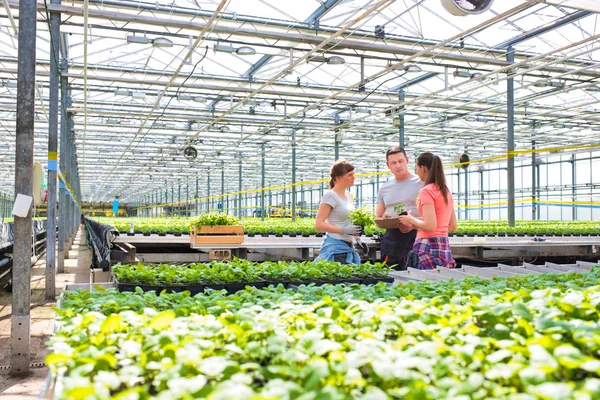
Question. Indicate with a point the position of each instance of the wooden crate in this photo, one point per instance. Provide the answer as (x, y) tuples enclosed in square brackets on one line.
[(226, 234)]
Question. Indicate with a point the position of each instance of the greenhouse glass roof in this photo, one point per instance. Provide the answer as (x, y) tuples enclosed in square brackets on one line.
[(229, 77)]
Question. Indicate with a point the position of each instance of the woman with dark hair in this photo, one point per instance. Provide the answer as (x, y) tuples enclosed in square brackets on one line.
[(333, 217), (436, 206)]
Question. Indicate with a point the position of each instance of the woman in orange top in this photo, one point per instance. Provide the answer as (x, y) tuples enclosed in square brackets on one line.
[(436, 205)]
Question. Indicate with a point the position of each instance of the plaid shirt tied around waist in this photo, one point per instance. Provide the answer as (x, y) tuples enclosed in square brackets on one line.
[(434, 252)]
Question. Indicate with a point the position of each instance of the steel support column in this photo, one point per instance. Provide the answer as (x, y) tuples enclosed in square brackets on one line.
[(338, 140), (222, 199), (239, 196), (458, 193), (481, 195), (208, 199), (401, 96), (573, 188), (196, 195), (21, 274), (510, 92), (294, 176), (50, 292), (262, 182), (533, 180), (466, 194)]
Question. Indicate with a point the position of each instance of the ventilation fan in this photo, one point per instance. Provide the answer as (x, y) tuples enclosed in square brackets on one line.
[(467, 7), (464, 161), (190, 153)]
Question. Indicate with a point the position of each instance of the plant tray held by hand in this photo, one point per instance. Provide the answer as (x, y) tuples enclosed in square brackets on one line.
[(221, 234), (387, 223)]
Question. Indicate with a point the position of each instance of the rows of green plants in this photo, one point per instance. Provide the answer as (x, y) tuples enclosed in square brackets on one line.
[(526, 337), (241, 271), (305, 226)]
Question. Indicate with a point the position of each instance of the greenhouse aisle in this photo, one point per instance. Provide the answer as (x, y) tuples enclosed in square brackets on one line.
[(77, 270)]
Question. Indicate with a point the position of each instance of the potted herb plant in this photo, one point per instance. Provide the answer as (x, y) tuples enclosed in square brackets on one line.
[(400, 209)]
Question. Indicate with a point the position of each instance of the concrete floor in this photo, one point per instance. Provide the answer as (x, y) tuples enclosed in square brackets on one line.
[(77, 270)]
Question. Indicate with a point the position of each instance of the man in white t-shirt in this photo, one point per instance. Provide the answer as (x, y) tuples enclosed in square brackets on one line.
[(402, 188)]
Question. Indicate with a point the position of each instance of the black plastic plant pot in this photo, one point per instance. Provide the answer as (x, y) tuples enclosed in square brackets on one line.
[(234, 287), (154, 233), (265, 235), (328, 282), (215, 286), (319, 235), (350, 281), (177, 234), (195, 288), (162, 234), (258, 285), (170, 289), (250, 235), (403, 213), (305, 235), (292, 235), (130, 234), (279, 235), (146, 233), (126, 287)]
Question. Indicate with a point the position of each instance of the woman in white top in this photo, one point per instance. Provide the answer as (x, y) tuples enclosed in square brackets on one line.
[(333, 217)]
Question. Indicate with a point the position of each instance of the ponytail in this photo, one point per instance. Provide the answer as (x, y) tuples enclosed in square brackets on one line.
[(435, 173)]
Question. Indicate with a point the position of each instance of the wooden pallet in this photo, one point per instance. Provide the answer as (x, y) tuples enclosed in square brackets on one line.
[(227, 234)]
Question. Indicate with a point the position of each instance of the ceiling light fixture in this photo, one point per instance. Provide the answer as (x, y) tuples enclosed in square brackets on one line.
[(336, 60), (461, 74), (333, 60), (227, 48), (162, 42), (549, 83), (412, 68), (8, 83), (158, 42), (245, 51)]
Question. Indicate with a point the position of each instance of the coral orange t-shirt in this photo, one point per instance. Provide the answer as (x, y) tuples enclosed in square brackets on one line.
[(431, 194)]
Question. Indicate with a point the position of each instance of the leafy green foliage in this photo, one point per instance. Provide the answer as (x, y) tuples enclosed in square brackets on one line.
[(400, 209), (526, 337), (243, 271), (361, 217), (213, 219), (306, 226)]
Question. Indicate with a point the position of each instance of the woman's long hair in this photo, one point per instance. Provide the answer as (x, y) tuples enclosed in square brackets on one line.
[(436, 174), (338, 169)]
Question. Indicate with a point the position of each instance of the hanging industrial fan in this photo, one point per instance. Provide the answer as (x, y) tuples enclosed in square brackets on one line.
[(190, 153), (466, 7), (464, 161)]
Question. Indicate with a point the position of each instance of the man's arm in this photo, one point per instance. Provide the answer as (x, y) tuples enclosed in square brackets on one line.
[(379, 210)]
